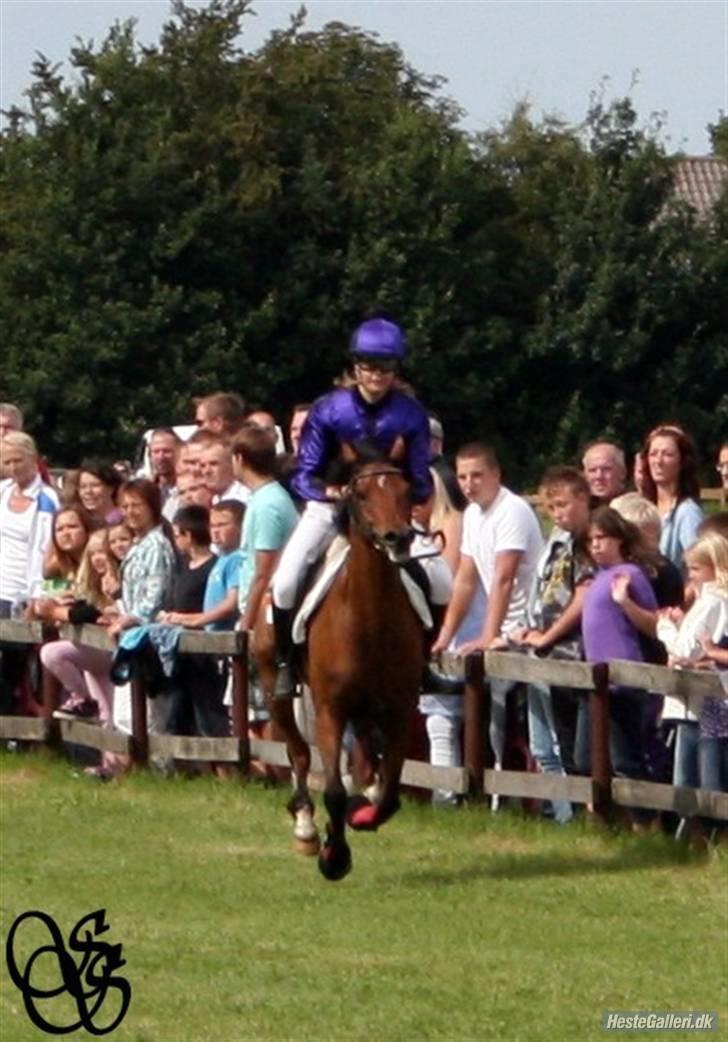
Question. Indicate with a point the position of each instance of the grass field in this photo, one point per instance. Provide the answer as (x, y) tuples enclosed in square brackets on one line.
[(454, 925)]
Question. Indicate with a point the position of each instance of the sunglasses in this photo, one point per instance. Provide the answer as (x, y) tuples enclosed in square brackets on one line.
[(376, 365)]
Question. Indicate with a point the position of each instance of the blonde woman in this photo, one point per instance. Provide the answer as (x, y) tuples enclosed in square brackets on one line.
[(27, 506), (443, 709), (694, 639)]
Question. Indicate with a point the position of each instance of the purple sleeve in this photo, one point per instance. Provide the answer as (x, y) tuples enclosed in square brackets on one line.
[(313, 456), (641, 590), (418, 461)]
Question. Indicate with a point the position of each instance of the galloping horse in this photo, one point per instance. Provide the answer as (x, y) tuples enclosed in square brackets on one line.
[(363, 663)]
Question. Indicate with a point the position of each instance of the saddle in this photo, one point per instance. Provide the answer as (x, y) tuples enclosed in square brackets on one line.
[(323, 575)]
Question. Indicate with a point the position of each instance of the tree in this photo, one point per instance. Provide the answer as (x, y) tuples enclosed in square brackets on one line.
[(191, 216), (194, 216)]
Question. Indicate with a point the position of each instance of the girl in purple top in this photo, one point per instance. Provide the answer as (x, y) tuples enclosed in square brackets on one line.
[(617, 549)]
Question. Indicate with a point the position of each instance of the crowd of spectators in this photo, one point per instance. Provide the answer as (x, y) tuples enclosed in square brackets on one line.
[(630, 568)]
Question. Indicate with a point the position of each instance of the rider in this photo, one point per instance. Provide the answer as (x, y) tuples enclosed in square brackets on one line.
[(371, 410)]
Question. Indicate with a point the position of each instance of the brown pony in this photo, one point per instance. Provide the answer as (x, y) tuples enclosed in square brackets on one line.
[(363, 663)]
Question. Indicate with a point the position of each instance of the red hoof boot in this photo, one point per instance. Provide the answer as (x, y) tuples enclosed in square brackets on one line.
[(362, 814)]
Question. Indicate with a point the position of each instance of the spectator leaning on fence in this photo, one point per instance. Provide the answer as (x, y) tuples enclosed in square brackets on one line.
[(713, 741), (146, 577), (667, 583), (193, 703), (72, 528), (83, 604), (671, 482), (220, 603), (148, 566), (501, 544), (684, 636), (27, 506), (270, 517), (563, 575), (442, 709), (617, 549)]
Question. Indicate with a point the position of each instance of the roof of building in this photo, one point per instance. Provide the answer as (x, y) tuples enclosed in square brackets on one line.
[(699, 180)]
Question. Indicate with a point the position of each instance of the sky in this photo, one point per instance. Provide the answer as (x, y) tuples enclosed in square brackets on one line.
[(670, 56)]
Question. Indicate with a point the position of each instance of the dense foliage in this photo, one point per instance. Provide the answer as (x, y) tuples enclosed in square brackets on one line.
[(194, 216)]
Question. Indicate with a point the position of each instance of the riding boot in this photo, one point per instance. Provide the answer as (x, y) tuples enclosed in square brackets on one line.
[(285, 685)]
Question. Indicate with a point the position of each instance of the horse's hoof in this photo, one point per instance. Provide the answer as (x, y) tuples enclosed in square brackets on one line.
[(334, 862), (308, 847), (362, 815)]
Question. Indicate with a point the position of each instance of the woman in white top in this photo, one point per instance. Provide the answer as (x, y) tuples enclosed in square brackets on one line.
[(27, 506), (443, 710)]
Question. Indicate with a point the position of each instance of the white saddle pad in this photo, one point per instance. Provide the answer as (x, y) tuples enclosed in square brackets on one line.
[(333, 562)]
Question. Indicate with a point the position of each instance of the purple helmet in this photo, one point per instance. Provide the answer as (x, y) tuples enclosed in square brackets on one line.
[(378, 338)]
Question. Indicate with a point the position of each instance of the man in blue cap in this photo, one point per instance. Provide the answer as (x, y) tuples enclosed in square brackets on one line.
[(370, 410)]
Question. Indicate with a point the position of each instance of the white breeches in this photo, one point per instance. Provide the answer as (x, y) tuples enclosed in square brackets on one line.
[(308, 541)]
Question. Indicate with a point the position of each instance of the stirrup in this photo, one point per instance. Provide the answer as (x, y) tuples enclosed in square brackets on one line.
[(285, 685)]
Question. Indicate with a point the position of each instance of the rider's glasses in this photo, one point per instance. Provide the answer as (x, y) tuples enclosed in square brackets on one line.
[(377, 365)]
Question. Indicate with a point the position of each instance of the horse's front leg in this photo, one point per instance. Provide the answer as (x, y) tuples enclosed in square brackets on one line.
[(284, 726), (335, 856), (300, 806), (368, 815)]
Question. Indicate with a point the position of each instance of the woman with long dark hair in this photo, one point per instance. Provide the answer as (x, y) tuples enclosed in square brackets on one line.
[(670, 481)]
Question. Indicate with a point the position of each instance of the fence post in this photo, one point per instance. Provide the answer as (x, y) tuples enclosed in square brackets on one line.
[(601, 768), (473, 735), (139, 733), (240, 700), (50, 688)]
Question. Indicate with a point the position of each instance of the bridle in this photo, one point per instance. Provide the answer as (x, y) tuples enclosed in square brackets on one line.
[(368, 532), (377, 541)]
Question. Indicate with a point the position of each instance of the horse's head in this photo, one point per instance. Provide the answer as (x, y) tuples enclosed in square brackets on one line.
[(380, 506)]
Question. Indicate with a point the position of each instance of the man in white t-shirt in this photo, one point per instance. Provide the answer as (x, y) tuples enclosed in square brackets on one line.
[(501, 545)]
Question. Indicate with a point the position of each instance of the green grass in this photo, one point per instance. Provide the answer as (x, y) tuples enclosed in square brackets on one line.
[(453, 925)]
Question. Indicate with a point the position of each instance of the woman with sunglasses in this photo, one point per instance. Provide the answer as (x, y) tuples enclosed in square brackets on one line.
[(369, 408)]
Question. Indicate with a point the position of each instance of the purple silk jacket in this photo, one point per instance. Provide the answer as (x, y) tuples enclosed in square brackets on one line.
[(344, 416)]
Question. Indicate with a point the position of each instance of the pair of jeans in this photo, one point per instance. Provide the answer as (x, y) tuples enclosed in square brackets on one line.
[(713, 770), (544, 743), (626, 734), (685, 769)]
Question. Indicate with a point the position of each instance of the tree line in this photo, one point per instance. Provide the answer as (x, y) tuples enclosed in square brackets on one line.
[(190, 216)]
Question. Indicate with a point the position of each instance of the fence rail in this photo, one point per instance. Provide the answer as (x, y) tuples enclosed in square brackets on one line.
[(475, 779)]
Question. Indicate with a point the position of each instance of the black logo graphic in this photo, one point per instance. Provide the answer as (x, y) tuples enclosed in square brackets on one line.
[(88, 983)]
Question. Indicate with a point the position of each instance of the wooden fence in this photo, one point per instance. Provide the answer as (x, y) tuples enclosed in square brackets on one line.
[(473, 779)]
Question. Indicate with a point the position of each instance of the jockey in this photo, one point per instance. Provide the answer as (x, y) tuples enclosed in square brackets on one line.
[(373, 410)]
